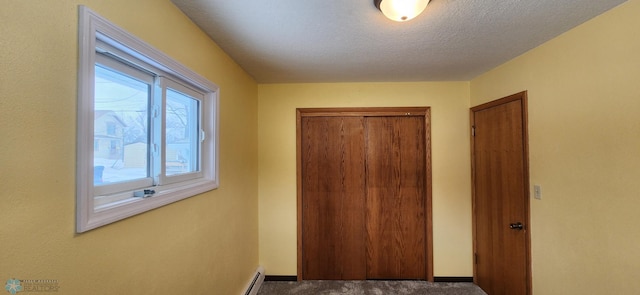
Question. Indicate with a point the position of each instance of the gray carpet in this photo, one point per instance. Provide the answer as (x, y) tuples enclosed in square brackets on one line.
[(368, 288)]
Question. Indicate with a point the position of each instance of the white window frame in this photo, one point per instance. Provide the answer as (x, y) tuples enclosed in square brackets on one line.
[(166, 84), (110, 191), (93, 30)]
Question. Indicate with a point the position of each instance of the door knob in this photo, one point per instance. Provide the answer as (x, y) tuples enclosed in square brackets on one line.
[(516, 226)]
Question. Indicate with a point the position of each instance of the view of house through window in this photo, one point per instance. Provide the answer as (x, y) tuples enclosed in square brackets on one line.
[(124, 140), (121, 127)]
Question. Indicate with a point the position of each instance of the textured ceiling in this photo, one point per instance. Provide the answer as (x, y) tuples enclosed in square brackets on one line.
[(290, 41)]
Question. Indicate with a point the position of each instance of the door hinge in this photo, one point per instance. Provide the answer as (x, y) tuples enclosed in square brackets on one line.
[(473, 130), (475, 258)]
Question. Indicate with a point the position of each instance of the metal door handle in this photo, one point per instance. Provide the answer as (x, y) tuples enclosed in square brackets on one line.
[(516, 226)]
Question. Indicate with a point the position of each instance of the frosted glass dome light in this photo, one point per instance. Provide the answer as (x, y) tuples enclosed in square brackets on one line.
[(401, 10)]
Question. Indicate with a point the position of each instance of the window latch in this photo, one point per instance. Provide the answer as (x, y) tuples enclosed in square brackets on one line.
[(144, 193)]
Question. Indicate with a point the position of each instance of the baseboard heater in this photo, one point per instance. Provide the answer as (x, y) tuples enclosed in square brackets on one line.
[(254, 285)]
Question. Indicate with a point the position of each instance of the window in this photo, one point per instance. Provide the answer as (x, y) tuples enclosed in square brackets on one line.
[(111, 126), (147, 127)]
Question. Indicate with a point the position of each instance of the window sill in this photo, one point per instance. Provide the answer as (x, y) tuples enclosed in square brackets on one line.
[(123, 205)]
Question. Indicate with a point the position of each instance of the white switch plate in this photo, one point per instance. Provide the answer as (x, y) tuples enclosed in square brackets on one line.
[(537, 192)]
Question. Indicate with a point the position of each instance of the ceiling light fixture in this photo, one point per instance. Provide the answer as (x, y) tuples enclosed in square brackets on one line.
[(401, 10)]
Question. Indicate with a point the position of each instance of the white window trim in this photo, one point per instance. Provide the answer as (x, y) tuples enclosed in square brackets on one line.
[(93, 27)]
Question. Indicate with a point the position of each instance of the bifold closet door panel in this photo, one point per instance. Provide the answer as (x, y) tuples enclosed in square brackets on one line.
[(395, 204), (333, 202)]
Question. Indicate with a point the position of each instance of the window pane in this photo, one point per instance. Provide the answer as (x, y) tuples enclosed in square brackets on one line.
[(121, 124), (182, 133)]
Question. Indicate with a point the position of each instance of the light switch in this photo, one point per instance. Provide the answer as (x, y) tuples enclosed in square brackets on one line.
[(537, 192)]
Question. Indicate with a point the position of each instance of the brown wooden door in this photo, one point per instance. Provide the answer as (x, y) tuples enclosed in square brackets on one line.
[(501, 196), (395, 206), (333, 187), (364, 195)]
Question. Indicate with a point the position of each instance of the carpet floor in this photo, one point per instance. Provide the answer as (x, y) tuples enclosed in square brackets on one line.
[(368, 288)]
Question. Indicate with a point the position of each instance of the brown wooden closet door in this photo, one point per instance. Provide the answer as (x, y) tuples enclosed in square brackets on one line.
[(333, 187), (395, 205)]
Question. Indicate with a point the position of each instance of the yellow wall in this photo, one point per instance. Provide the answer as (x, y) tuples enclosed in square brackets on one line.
[(449, 102), (203, 245), (584, 128), (584, 145)]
